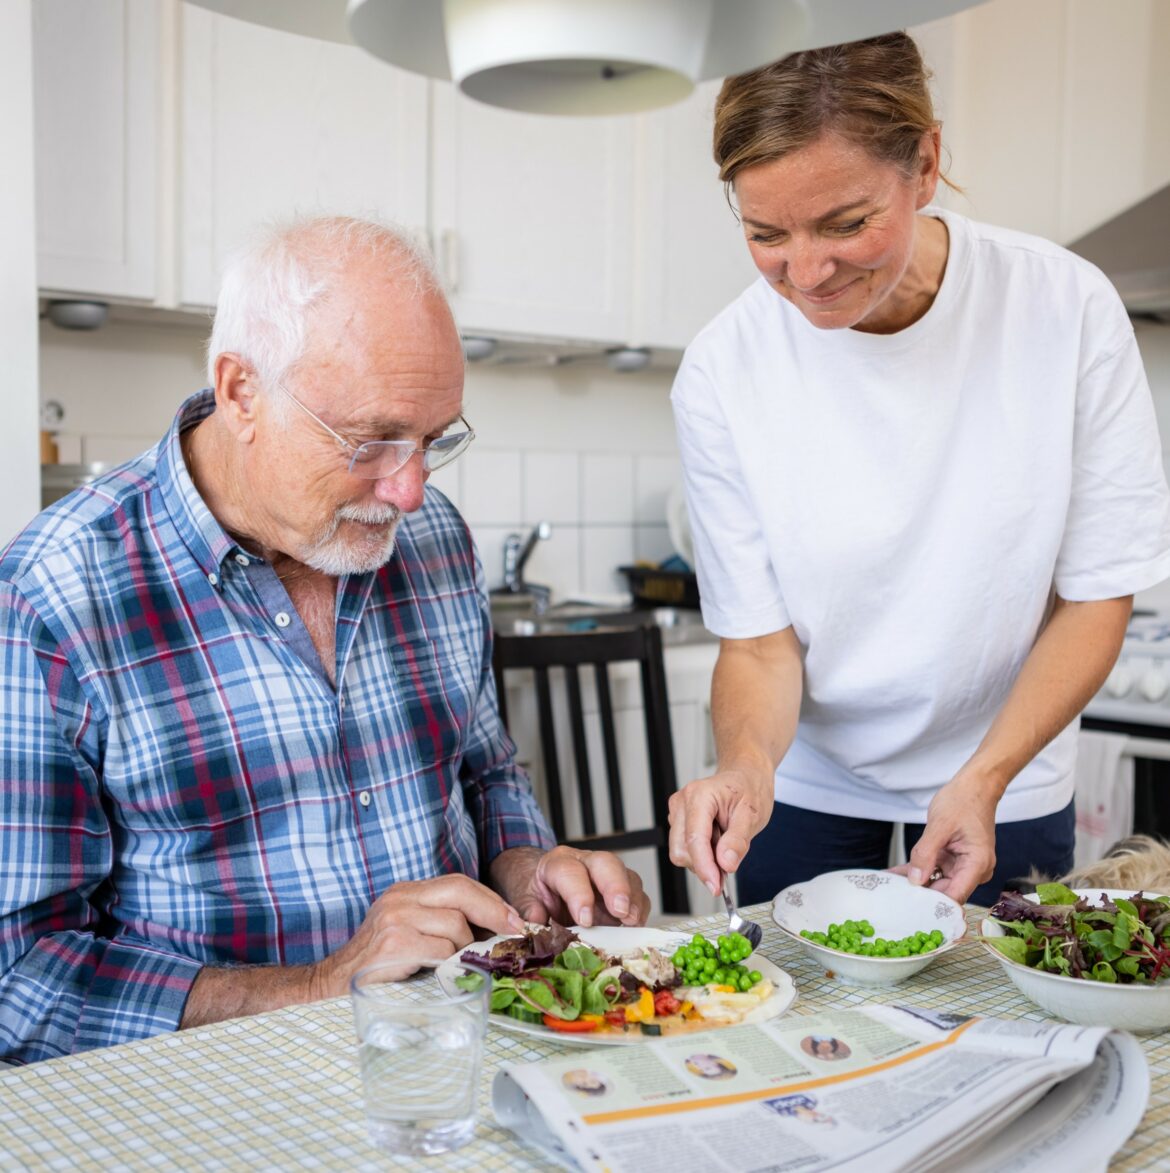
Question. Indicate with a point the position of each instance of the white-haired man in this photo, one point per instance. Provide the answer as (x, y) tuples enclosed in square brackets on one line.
[(249, 739)]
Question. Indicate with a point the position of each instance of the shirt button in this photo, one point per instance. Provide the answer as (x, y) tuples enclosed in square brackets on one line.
[(341, 702), (364, 798), (213, 578), (282, 619), (242, 560)]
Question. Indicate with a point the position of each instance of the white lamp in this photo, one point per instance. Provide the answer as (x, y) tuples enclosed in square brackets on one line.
[(584, 56)]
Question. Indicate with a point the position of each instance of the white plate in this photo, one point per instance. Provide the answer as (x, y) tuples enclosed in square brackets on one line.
[(615, 940)]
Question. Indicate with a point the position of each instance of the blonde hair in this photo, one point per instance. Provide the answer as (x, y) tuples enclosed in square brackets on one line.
[(874, 93)]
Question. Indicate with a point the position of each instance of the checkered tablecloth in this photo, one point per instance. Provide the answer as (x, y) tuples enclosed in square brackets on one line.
[(282, 1091)]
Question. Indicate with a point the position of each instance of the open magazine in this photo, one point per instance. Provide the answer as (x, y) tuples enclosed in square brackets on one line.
[(878, 1087)]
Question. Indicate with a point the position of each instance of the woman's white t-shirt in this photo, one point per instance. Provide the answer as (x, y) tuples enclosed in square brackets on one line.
[(908, 503)]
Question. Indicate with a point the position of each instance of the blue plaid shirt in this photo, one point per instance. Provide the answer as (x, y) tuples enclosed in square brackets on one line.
[(181, 786)]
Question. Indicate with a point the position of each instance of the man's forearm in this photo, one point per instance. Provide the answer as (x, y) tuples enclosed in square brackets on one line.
[(1067, 665), (755, 701), (219, 994)]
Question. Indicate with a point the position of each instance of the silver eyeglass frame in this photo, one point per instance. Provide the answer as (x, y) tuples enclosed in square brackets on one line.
[(399, 445)]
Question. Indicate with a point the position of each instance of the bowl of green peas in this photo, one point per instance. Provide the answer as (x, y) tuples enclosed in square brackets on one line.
[(867, 927)]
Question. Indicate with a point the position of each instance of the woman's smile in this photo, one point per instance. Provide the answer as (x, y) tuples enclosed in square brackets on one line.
[(823, 297)]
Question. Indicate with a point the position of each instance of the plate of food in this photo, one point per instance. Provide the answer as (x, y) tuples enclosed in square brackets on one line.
[(611, 986)]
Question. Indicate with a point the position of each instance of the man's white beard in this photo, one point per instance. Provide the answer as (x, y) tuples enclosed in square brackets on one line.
[(334, 555)]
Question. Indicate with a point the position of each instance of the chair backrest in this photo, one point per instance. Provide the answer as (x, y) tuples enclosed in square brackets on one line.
[(572, 652)]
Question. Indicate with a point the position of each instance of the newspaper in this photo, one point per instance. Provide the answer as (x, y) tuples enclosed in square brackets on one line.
[(872, 1088)]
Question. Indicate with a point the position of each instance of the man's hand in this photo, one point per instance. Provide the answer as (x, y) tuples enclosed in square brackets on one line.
[(416, 919), (571, 886), (959, 839), (730, 807)]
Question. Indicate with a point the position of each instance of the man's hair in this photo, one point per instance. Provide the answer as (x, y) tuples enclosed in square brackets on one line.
[(272, 282)]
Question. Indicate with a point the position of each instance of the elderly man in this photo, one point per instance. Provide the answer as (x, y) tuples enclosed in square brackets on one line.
[(249, 739)]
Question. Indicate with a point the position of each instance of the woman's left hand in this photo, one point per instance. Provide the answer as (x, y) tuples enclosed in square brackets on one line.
[(959, 839)]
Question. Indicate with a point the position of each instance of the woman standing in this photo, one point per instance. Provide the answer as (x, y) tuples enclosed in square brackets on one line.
[(924, 480)]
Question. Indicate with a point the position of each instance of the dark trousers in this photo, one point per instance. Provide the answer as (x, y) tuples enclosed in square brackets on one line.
[(798, 844)]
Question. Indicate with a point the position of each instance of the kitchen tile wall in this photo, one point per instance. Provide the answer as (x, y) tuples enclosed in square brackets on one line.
[(1154, 340), (585, 449), (605, 510)]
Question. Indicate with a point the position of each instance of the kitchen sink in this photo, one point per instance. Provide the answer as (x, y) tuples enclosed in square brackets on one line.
[(678, 624)]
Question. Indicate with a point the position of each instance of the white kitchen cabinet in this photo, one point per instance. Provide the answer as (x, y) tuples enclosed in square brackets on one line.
[(532, 220), (688, 670), (164, 133), (272, 124), (96, 101), (1116, 108), (1058, 111), (692, 255)]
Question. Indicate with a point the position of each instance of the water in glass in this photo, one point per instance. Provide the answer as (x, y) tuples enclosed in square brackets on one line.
[(420, 1045), (420, 1077)]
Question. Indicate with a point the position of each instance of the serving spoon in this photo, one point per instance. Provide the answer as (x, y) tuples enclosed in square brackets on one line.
[(738, 924)]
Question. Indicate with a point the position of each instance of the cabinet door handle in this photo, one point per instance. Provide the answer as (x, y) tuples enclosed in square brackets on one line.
[(450, 259)]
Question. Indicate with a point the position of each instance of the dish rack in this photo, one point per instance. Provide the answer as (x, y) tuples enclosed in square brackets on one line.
[(662, 588)]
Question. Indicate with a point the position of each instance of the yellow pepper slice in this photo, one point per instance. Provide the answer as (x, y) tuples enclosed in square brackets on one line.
[(643, 1009)]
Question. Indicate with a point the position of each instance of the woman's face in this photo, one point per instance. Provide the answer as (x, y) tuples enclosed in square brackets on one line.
[(834, 231)]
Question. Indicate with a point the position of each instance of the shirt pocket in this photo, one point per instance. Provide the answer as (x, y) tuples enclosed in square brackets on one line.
[(438, 684)]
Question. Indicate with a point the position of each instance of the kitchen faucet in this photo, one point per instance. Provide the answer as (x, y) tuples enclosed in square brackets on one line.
[(517, 551)]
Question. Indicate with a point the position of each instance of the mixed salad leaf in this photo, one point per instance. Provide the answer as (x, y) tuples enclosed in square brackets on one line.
[(540, 945), (1123, 941), (550, 976)]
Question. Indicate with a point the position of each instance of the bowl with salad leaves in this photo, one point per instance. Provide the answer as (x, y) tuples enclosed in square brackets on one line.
[(613, 985), (1096, 957)]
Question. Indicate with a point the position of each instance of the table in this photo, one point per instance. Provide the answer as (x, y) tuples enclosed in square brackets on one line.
[(281, 1090)]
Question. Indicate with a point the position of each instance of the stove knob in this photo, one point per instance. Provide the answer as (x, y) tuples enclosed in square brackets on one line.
[(1119, 681), (1154, 684)]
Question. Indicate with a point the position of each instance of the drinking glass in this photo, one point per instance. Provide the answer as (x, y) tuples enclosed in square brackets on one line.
[(420, 1046)]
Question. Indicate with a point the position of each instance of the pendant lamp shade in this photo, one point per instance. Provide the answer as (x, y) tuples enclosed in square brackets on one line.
[(584, 56)]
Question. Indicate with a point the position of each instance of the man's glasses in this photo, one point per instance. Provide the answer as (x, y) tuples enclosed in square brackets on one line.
[(383, 458)]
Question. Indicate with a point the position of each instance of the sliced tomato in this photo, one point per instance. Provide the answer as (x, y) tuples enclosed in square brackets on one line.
[(665, 1003), (578, 1026), (616, 1017)]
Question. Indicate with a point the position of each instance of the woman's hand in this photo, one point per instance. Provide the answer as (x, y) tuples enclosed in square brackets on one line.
[(713, 820), (959, 839)]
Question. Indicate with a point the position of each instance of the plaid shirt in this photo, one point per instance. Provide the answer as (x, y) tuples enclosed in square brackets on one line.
[(181, 786)]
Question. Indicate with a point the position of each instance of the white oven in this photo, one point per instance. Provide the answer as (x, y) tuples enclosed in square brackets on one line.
[(1135, 704)]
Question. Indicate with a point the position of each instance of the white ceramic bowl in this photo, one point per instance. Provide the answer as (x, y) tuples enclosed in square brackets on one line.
[(1140, 1008), (895, 907)]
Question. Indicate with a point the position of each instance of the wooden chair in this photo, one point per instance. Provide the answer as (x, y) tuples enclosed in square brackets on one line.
[(600, 648)]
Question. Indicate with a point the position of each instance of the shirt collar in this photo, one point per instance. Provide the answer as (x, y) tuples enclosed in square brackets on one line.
[(203, 536)]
